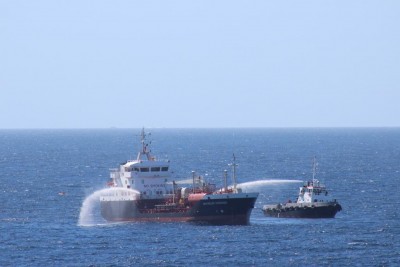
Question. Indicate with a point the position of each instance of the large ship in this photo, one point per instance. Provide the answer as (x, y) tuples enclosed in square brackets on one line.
[(147, 192), (313, 201)]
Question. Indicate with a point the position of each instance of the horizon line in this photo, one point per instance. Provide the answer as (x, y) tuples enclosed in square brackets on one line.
[(207, 127)]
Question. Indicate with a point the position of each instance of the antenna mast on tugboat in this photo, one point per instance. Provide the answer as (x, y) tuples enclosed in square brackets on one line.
[(314, 169), (234, 172)]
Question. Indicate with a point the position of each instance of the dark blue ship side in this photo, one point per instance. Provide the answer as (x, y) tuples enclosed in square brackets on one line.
[(295, 210), (216, 209)]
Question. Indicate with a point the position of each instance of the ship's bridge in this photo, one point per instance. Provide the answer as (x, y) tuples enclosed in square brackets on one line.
[(146, 168)]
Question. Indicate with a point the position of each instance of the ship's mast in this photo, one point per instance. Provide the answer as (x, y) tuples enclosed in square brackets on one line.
[(193, 174), (144, 150), (225, 180)]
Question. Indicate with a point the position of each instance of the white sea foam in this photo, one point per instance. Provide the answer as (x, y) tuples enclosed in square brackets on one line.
[(90, 209)]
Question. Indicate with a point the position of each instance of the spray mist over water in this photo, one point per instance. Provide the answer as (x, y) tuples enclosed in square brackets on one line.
[(90, 209), (254, 186)]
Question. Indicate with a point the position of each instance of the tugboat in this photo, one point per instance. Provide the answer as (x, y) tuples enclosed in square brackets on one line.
[(313, 202), (143, 190)]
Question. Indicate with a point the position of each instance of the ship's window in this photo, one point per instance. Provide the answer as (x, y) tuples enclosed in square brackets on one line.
[(144, 169), (127, 169), (164, 169), (155, 169), (136, 169)]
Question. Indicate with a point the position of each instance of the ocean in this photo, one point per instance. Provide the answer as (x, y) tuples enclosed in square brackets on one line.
[(47, 175)]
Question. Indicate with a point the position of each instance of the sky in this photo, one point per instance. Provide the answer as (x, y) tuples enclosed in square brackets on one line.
[(178, 64)]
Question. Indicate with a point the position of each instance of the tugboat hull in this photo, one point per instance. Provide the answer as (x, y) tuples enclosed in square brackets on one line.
[(312, 202), (212, 209), (318, 210)]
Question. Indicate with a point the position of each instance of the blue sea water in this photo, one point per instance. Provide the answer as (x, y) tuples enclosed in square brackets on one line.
[(361, 167)]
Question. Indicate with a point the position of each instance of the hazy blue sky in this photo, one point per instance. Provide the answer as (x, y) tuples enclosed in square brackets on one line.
[(95, 64)]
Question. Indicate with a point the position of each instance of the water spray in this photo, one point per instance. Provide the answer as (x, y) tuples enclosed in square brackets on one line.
[(90, 214), (255, 185)]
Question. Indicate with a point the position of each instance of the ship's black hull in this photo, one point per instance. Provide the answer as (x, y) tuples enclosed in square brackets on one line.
[(216, 211), (301, 211)]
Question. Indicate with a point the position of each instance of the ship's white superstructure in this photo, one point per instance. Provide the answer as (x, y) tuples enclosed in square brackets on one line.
[(147, 175), (313, 191)]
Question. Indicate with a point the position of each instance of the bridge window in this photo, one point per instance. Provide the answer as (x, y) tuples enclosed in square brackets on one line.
[(144, 169), (155, 169), (164, 169)]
